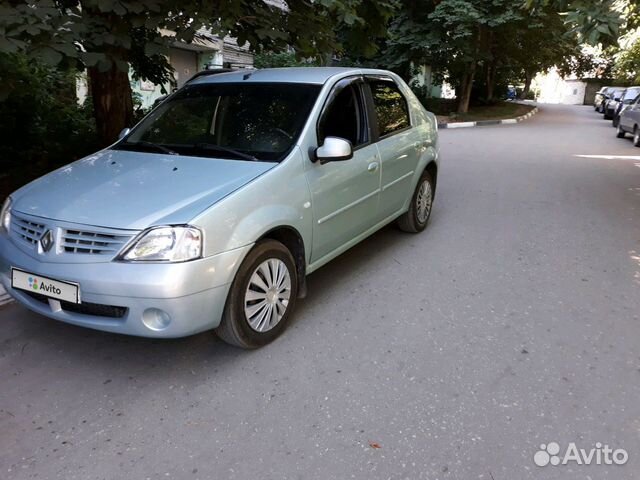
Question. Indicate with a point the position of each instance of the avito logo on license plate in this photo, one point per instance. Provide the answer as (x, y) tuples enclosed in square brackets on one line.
[(67, 291)]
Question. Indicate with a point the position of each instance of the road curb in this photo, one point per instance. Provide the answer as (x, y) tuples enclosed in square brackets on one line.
[(485, 123)]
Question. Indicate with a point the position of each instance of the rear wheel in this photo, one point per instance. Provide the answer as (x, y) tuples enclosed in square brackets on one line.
[(262, 297), (416, 218), (620, 133)]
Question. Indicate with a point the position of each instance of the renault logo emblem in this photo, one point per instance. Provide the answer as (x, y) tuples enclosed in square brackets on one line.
[(46, 241)]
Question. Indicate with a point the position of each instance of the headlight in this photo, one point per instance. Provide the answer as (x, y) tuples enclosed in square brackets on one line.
[(5, 214), (165, 244)]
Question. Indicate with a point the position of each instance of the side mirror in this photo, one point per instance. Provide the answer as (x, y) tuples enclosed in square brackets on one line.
[(334, 149), (124, 133), (617, 99)]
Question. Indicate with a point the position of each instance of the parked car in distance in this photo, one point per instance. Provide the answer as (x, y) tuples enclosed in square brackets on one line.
[(630, 122), (599, 99), (202, 73), (628, 97), (211, 211), (611, 103)]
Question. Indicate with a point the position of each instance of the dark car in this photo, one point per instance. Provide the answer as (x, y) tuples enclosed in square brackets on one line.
[(599, 99), (610, 105), (628, 97), (211, 71)]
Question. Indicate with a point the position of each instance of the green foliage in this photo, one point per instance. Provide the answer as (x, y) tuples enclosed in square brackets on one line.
[(41, 124), (627, 64), (490, 43), (595, 21), (281, 59), (118, 33)]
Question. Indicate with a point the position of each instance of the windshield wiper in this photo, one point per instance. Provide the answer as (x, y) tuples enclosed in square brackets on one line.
[(220, 148), (157, 146)]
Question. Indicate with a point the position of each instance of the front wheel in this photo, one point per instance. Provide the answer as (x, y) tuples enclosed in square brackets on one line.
[(620, 133), (262, 297), (636, 137), (416, 218)]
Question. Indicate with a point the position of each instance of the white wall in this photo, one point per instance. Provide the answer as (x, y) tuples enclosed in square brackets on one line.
[(552, 88)]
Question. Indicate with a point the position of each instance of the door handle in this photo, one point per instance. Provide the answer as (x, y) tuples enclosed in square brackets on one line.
[(373, 166)]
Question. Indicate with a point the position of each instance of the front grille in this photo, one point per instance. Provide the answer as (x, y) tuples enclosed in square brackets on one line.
[(26, 230), (85, 308), (98, 243)]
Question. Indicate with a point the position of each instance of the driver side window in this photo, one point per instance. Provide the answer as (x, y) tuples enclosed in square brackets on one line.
[(344, 117)]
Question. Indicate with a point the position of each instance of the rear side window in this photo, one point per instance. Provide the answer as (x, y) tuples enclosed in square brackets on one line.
[(391, 107)]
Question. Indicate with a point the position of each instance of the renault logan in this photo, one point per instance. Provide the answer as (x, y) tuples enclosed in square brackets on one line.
[(211, 211)]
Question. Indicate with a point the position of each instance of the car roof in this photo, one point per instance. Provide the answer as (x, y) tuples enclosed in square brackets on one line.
[(313, 75)]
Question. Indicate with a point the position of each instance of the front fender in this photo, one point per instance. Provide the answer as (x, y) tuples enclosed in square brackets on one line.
[(278, 198)]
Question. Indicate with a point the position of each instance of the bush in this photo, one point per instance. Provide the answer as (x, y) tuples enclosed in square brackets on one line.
[(438, 106), (41, 123), (441, 106)]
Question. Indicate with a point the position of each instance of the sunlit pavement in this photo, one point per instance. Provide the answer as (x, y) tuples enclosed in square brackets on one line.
[(510, 323)]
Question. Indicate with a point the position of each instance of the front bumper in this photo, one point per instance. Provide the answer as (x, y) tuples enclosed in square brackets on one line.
[(191, 294)]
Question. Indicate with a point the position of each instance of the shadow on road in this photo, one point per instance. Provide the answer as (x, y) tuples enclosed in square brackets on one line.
[(113, 355)]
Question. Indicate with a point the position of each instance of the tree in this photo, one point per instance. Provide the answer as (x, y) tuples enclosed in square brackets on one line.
[(107, 37), (541, 40), (595, 21), (626, 66), (455, 37)]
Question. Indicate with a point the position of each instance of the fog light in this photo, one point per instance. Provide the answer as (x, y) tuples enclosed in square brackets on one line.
[(156, 319)]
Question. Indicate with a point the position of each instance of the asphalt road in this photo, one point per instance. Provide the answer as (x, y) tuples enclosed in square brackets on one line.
[(511, 322)]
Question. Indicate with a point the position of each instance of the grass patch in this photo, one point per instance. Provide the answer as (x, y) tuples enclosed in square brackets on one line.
[(496, 111)]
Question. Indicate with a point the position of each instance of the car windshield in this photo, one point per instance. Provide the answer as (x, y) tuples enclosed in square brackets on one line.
[(631, 93), (237, 121)]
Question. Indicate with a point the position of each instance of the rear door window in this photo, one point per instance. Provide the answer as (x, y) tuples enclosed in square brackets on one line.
[(392, 111)]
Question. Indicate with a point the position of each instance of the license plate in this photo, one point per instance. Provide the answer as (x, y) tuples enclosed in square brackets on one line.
[(66, 291)]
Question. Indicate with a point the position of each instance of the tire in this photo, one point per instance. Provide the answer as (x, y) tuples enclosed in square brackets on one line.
[(620, 133), (615, 121), (636, 136), (244, 324), (416, 218)]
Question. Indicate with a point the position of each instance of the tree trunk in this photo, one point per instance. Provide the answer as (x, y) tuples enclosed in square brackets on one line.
[(112, 102), (528, 78), (465, 88), (491, 80)]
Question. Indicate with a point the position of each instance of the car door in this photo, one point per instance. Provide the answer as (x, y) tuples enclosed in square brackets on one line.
[(344, 193), (631, 116), (398, 142)]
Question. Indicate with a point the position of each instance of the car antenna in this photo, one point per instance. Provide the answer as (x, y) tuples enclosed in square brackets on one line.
[(246, 76)]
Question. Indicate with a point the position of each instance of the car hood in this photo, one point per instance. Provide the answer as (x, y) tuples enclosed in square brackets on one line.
[(133, 190)]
